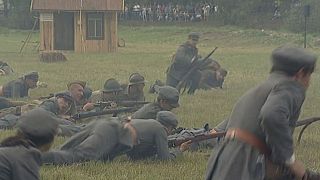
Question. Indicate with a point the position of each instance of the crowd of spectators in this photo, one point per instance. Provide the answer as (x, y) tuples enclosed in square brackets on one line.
[(168, 12)]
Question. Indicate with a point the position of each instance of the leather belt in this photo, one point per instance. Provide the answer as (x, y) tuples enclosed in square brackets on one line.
[(248, 138), (133, 132)]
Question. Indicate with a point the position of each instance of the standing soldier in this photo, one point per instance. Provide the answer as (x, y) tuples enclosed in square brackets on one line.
[(168, 99), (258, 142), (20, 88), (186, 54)]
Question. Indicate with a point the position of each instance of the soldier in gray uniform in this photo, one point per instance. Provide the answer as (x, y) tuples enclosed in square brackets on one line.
[(111, 92), (168, 99), (186, 54), (20, 88), (153, 138), (60, 105), (104, 139), (20, 155), (259, 143), (134, 90)]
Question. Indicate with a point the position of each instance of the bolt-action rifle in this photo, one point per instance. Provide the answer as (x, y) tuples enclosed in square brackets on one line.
[(177, 141), (120, 103), (114, 111)]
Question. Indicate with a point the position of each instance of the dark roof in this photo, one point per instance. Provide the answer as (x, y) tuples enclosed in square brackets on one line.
[(75, 5)]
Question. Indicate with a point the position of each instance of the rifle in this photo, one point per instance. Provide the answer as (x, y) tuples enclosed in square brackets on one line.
[(46, 97), (120, 103), (305, 123), (177, 141), (196, 64), (115, 111)]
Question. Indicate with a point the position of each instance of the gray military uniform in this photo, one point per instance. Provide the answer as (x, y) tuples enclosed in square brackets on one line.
[(101, 140), (274, 107), (152, 141), (148, 111), (26, 163)]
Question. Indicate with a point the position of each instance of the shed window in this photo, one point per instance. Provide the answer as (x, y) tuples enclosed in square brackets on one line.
[(95, 26)]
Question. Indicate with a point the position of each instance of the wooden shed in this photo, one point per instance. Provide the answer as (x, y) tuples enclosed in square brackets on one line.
[(78, 25)]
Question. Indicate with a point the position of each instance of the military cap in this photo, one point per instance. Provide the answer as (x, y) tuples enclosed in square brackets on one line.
[(66, 95), (136, 78), (292, 59), (194, 36), (111, 85), (37, 124), (170, 94), (167, 118), (87, 92), (81, 83), (31, 75)]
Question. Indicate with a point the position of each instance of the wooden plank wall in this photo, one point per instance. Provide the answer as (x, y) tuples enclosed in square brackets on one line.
[(74, 5), (46, 35), (110, 42)]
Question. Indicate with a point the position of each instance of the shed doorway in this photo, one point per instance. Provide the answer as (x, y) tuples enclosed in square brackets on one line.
[(64, 31)]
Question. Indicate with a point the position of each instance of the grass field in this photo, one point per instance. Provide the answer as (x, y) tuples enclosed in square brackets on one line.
[(244, 53)]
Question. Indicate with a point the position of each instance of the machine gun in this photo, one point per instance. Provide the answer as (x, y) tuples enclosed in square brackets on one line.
[(120, 103), (196, 64), (114, 112)]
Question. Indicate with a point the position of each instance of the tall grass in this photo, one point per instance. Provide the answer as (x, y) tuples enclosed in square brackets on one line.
[(244, 53)]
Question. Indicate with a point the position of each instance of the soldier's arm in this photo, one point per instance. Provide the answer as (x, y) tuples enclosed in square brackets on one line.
[(161, 140), (15, 90), (281, 107), (182, 59)]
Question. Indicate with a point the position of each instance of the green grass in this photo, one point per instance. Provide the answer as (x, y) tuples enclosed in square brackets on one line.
[(244, 53)]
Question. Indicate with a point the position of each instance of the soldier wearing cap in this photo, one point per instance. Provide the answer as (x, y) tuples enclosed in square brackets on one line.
[(103, 139), (134, 90), (60, 104), (76, 89), (20, 88), (20, 155), (182, 61), (111, 92), (168, 99), (153, 137), (259, 143)]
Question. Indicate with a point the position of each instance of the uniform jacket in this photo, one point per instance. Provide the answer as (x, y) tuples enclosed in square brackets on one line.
[(268, 111), (19, 163), (148, 111), (182, 61), (100, 140), (16, 88), (152, 141)]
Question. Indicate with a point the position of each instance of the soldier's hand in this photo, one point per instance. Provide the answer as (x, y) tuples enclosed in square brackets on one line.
[(212, 131), (88, 107), (298, 169), (185, 146)]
